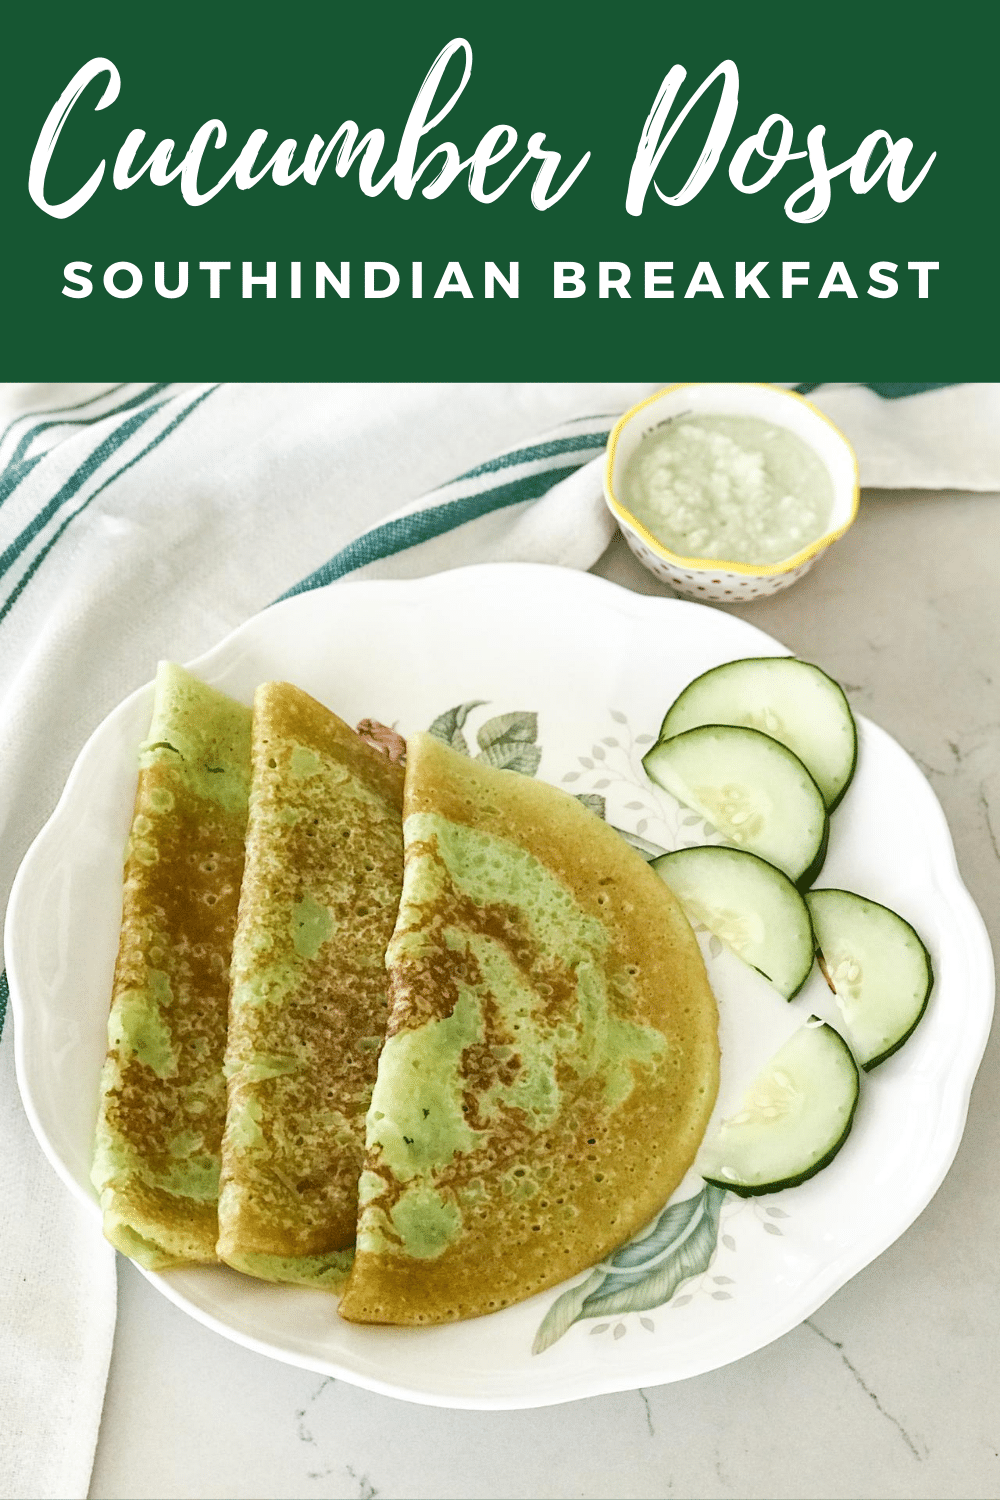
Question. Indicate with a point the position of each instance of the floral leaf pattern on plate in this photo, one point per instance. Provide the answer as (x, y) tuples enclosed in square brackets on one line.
[(516, 728), (644, 1273), (565, 1311), (507, 743), (522, 758), (614, 768), (448, 726)]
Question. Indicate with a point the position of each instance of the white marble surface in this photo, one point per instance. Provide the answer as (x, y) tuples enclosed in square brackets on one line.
[(891, 1388)]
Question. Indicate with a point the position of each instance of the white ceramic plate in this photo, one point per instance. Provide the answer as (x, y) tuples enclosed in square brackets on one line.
[(598, 665)]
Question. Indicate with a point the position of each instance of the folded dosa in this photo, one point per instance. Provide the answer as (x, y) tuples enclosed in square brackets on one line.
[(324, 870), (163, 1093), (551, 1057)]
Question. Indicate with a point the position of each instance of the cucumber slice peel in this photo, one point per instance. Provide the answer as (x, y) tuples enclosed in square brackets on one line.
[(878, 968), (752, 789), (748, 904), (793, 701), (793, 1120)]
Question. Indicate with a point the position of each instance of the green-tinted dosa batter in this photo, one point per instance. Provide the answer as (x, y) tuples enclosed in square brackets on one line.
[(162, 1109), (551, 1059)]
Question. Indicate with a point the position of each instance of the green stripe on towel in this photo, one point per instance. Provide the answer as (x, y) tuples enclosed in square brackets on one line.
[(550, 449), (890, 389), (75, 483), (54, 411), (423, 525), (18, 467), (29, 573)]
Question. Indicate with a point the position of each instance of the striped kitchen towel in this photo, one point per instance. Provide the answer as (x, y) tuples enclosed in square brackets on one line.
[(148, 519)]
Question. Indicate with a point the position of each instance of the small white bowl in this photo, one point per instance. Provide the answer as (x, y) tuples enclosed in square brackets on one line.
[(716, 578)]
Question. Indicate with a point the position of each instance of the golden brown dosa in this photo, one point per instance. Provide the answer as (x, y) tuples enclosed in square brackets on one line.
[(552, 1052), (324, 870), (162, 1109)]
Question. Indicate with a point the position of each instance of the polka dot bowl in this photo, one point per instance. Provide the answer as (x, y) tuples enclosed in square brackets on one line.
[(716, 578)]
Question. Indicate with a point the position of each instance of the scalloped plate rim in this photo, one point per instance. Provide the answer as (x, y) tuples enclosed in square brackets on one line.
[(588, 1380)]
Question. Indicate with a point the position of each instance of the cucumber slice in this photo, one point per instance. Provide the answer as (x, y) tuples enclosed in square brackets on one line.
[(794, 1118), (790, 700), (750, 905), (877, 967), (752, 789)]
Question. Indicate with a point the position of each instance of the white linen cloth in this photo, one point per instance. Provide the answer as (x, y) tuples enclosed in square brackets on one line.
[(147, 520), (943, 439)]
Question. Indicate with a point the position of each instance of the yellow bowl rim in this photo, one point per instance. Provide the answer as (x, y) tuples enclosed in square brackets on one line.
[(706, 564)]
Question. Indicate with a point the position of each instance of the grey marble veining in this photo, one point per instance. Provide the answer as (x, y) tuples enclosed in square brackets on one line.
[(889, 1390)]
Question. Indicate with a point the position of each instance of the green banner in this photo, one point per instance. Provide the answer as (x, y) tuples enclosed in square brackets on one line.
[(456, 191)]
